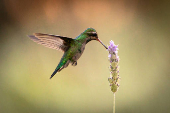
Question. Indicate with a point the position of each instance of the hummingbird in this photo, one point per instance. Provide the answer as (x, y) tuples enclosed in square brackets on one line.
[(72, 48)]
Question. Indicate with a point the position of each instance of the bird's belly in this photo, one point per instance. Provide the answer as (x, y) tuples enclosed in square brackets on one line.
[(78, 54)]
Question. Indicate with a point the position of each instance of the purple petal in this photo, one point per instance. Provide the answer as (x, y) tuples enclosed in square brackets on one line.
[(110, 55), (112, 47)]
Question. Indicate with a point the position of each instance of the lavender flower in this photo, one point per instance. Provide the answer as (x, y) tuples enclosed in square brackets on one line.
[(114, 68)]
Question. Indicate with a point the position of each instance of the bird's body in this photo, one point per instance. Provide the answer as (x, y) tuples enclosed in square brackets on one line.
[(71, 56), (73, 48)]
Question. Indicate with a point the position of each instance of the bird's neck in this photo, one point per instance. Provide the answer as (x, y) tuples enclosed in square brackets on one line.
[(83, 39)]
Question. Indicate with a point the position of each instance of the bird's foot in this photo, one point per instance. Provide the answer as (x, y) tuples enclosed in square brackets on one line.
[(74, 63)]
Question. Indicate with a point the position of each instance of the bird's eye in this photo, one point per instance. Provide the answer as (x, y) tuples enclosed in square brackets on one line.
[(94, 34)]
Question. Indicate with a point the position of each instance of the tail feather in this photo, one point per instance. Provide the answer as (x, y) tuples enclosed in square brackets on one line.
[(56, 70), (63, 64)]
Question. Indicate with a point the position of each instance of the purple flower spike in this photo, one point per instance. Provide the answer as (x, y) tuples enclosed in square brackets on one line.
[(114, 68)]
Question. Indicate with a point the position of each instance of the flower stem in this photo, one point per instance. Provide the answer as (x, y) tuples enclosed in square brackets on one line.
[(113, 102)]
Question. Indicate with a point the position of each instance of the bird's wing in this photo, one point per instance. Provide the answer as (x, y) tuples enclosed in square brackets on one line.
[(52, 41)]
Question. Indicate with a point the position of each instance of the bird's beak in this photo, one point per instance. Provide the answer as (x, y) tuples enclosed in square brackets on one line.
[(101, 42)]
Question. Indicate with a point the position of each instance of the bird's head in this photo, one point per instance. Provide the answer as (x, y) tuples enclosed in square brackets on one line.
[(92, 35)]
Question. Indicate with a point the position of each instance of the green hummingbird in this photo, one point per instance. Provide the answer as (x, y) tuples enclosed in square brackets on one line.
[(72, 48)]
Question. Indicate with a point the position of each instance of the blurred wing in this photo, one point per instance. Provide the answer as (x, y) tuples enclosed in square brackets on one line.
[(52, 41)]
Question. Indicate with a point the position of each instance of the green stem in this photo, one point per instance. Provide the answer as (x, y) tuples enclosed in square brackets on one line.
[(113, 102)]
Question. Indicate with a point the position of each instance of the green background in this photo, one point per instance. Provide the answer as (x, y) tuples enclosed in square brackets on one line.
[(141, 28)]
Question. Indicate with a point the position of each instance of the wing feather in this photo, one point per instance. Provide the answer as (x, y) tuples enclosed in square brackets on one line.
[(52, 41)]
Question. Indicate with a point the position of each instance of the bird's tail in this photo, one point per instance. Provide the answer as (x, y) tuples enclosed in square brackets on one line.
[(63, 64), (56, 70)]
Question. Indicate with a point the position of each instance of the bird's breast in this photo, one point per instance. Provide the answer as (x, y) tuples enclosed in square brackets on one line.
[(78, 53)]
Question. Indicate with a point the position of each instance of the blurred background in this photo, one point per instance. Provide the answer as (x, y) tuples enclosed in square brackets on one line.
[(141, 28)]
